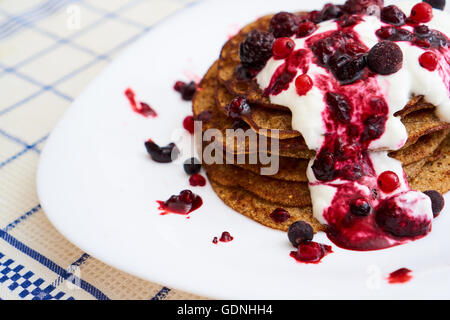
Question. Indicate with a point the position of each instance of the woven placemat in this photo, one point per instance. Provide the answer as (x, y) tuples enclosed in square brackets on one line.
[(49, 50)]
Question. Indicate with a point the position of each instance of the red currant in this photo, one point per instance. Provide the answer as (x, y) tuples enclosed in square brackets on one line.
[(422, 12), (429, 60), (303, 84), (283, 47), (305, 29), (388, 181), (188, 124)]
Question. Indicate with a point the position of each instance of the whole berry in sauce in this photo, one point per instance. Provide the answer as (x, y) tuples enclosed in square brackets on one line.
[(437, 201), (305, 29), (437, 4), (347, 69), (323, 166), (331, 11), (393, 15), (429, 61), (361, 6), (303, 84), (188, 124), (192, 166), (299, 232), (237, 107), (256, 49), (388, 181), (339, 107), (280, 215), (284, 24), (422, 12), (398, 221), (360, 207), (385, 58), (283, 47), (187, 90), (162, 154)]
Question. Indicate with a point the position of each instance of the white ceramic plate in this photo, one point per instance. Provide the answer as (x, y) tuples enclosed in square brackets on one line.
[(98, 186)]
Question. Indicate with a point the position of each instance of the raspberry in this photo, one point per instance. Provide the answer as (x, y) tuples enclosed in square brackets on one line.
[(429, 61), (256, 49), (284, 24), (385, 58)]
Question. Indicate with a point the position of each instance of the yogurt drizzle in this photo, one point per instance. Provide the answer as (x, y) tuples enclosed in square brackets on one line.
[(361, 160)]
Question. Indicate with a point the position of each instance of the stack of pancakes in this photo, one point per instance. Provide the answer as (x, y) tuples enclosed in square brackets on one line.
[(425, 156)]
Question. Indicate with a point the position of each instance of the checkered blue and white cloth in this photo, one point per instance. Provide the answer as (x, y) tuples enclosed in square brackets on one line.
[(49, 50)]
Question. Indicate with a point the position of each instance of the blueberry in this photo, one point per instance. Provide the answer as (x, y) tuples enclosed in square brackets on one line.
[(162, 154), (192, 166), (437, 201), (256, 49), (385, 58), (373, 128), (360, 207), (299, 232), (437, 4)]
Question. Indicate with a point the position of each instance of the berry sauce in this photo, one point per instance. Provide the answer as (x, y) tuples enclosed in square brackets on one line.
[(402, 275), (355, 116), (226, 237), (311, 252), (139, 107), (183, 204), (197, 180)]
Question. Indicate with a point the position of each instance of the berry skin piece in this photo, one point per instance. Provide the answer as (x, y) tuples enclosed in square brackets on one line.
[(256, 49), (437, 4), (283, 47), (284, 24), (237, 107), (188, 124), (192, 166), (429, 61), (388, 182), (299, 232), (303, 84), (422, 12), (226, 237), (437, 201), (162, 154), (385, 58), (393, 15), (187, 90), (197, 180), (280, 215)]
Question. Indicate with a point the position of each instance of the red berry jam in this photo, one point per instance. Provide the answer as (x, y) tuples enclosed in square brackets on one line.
[(226, 237), (303, 84), (400, 276), (429, 61), (141, 108), (188, 124), (422, 12), (283, 47), (197, 180), (280, 215), (184, 203), (388, 181), (311, 252)]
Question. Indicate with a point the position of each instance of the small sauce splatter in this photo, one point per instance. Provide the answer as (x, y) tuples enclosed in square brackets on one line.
[(402, 275)]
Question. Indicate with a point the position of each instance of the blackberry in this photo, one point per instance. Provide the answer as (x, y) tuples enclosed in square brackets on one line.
[(256, 49), (385, 58)]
